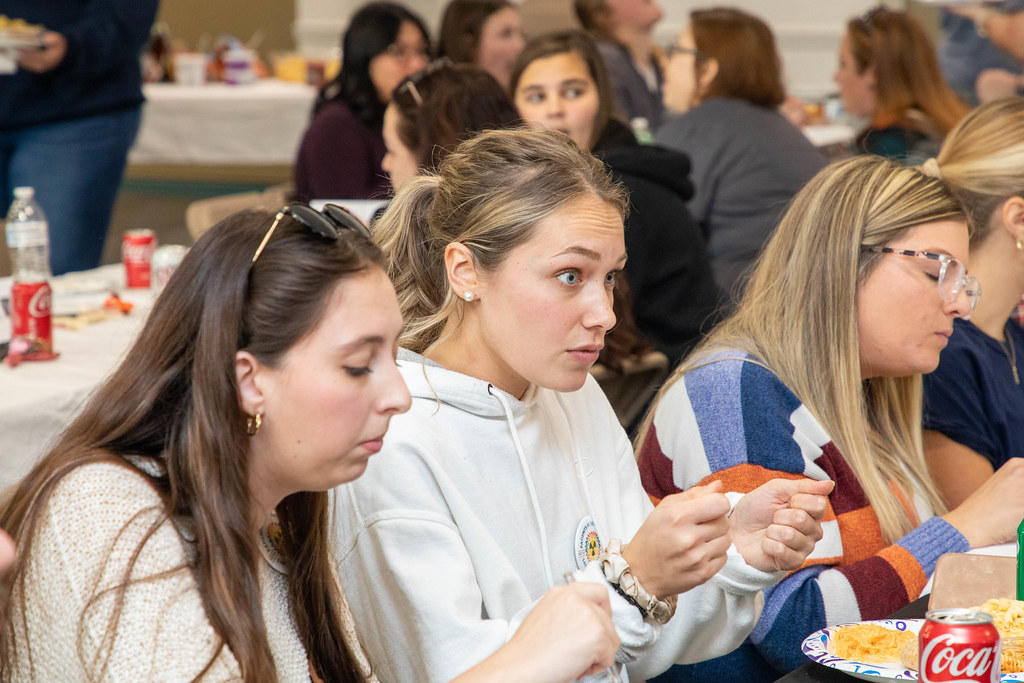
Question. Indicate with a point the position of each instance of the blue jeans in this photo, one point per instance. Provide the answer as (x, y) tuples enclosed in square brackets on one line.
[(75, 168)]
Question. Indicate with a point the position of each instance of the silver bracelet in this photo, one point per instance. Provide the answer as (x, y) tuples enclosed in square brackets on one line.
[(616, 572)]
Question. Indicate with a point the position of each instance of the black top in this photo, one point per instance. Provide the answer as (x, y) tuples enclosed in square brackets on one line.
[(668, 269), (100, 73)]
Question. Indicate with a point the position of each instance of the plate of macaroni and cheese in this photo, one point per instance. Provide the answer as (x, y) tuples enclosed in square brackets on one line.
[(888, 648)]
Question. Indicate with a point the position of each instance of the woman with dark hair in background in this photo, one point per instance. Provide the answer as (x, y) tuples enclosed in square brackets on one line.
[(485, 33), (434, 110), (560, 82), (341, 151), (724, 80), (889, 74)]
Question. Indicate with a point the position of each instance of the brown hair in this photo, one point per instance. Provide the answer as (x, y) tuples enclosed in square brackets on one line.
[(578, 43), (489, 194), (461, 25), (907, 73), (593, 16), (446, 103), (744, 47), (174, 400)]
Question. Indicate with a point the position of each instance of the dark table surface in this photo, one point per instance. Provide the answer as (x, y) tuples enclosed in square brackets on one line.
[(812, 672)]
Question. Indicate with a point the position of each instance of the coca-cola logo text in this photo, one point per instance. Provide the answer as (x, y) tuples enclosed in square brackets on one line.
[(942, 662), (39, 304), (137, 252)]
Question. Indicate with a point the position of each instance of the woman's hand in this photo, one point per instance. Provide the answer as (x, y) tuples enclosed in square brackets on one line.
[(569, 633), (991, 514), (45, 58), (682, 543), (775, 526)]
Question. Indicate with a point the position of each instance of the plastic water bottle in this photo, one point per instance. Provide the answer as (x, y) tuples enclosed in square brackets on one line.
[(642, 130), (28, 241)]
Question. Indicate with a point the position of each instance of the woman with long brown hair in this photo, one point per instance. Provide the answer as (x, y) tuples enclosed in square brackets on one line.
[(888, 74)]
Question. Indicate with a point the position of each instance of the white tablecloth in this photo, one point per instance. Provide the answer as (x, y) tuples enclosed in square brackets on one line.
[(257, 124), (39, 398)]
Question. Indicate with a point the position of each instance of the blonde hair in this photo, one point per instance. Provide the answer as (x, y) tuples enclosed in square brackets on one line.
[(798, 318), (489, 194), (982, 159)]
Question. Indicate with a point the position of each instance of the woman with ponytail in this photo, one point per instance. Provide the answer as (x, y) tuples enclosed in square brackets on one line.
[(511, 471), (974, 401)]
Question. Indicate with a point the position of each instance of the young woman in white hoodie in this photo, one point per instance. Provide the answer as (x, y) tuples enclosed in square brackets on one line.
[(510, 470)]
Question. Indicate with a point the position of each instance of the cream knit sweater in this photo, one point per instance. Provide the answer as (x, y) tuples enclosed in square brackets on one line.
[(94, 521)]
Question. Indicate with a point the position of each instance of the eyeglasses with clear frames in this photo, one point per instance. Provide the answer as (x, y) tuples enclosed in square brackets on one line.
[(953, 277), (327, 223)]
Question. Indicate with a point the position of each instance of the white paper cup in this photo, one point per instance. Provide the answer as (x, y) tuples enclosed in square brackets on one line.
[(189, 68)]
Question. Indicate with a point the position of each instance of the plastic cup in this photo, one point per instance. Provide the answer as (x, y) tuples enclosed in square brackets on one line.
[(189, 68)]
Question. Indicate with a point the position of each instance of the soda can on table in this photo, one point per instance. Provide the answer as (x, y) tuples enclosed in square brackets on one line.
[(959, 645), (165, 262), (30, 311), (137, 249)]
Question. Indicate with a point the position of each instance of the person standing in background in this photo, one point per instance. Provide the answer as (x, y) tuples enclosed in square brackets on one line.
[(69, 114), (624, 31), (484, 33)]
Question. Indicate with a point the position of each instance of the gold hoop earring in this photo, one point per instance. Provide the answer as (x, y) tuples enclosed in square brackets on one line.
[(253, 423)]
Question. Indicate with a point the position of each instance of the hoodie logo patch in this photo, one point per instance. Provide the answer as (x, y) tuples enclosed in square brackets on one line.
[(588, 543)]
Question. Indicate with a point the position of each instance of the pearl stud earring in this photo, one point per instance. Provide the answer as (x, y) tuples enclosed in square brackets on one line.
[(468, 296)]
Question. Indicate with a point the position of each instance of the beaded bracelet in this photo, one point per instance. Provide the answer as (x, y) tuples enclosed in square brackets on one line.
[(616, 571)]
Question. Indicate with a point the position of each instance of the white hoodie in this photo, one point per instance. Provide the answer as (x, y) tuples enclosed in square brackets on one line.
[(478, 504)]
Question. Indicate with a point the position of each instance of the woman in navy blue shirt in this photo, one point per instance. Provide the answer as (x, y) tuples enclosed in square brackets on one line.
[(974, 401)]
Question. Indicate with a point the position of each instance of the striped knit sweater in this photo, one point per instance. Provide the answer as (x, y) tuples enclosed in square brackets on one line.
[(735, 421)]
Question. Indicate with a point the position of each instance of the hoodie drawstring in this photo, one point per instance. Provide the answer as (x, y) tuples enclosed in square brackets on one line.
[(529, 483)]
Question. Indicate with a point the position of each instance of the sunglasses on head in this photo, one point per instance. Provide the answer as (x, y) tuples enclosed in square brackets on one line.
[(327, 223)]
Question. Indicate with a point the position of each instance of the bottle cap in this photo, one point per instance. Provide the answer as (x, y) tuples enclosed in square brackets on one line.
[(24, 192)]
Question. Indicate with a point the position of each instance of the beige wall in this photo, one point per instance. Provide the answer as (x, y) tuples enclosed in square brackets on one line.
[(191, 20)]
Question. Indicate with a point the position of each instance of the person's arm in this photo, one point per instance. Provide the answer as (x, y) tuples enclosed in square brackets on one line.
[(1005, 31), (756, 431), (957, 470), (95, 521), (109, 33)]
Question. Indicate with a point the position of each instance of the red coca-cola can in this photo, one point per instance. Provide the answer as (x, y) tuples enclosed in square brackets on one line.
[(137, 249), (30, 311), (959, 645)]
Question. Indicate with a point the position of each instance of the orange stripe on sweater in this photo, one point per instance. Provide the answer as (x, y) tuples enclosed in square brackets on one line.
[(861, 533)]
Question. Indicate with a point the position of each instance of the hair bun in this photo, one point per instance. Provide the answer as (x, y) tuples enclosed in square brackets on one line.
[(931, 168)]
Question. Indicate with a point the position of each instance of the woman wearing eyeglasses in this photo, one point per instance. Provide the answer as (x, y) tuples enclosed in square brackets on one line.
[(889, 76), (723, 83), (974, 401), (341, 151), (178, 530), (817, 375)]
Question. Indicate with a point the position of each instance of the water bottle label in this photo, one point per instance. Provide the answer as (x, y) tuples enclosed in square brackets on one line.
[(26, 235)]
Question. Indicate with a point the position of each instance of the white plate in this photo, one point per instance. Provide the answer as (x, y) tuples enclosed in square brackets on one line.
[(816, 647)]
